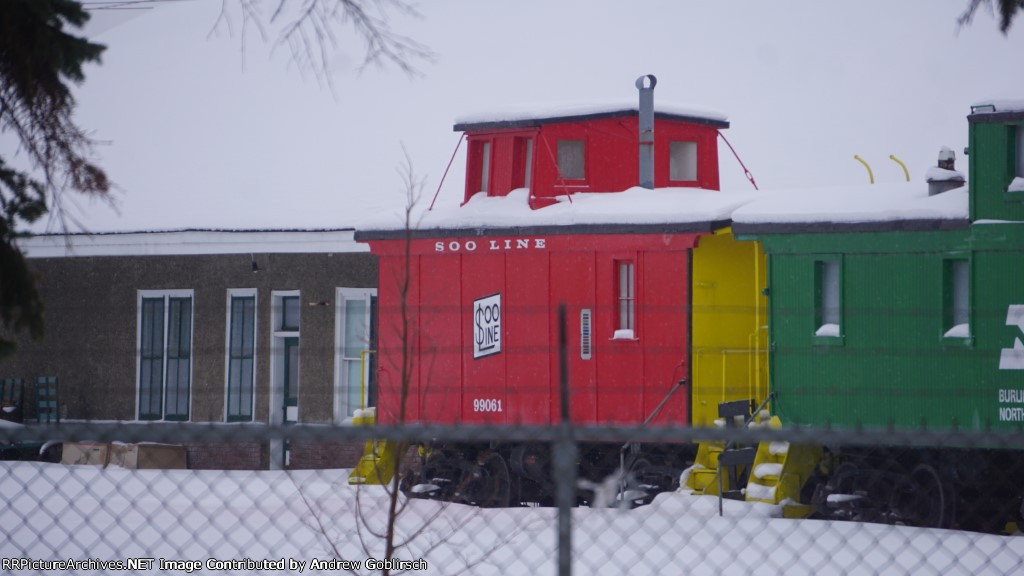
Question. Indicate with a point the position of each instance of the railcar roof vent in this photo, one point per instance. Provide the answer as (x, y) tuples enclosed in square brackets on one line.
[(944, 176)]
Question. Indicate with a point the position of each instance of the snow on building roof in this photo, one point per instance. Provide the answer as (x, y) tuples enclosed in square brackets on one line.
[(636, 206), (866, 207), (190, 242), (521, 116)]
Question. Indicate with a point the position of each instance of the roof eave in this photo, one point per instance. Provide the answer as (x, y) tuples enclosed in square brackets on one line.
[(925, 225), (552, 229), (535, 122)]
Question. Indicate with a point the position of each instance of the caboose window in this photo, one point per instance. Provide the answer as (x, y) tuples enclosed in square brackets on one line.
[(626, 299), (682, 161), (485, 166), (828, 294), (528, 163), (957, 299), (571, 159), (521, 162)]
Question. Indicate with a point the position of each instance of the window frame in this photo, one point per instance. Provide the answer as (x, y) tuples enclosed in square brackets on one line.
[(566, 180), (343, 408), (167, 298), (279, 338), (950, 266), (626, 323), (522, 161), (234, 294), (1018, 151), (821, 317), (696, 161)]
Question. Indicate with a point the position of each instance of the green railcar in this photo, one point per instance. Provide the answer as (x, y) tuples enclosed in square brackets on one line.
[(904, 309)]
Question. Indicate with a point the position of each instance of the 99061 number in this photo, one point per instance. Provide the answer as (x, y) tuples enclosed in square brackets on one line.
[(486, 405)]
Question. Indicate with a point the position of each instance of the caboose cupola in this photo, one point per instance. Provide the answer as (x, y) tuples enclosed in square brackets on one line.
[(588, 148), (996, 144)]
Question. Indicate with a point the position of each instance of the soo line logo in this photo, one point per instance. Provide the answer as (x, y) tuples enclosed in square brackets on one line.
[(487, 326)]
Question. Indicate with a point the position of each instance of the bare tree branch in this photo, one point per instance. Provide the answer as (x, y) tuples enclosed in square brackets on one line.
[(1007, 11)]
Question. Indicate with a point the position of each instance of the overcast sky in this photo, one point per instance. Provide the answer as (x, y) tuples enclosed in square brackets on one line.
[(199, 134)]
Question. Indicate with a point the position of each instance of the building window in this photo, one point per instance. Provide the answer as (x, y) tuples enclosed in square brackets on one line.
[(165, 355), (241, 354), (682, 161), (285, 317), (289, 314), (571, 159), (956, 278), (356, 364), (827, 298), (626, 298)]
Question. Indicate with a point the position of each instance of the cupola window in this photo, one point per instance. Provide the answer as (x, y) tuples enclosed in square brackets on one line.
[(682, 161), (485, 166), (571, 159)]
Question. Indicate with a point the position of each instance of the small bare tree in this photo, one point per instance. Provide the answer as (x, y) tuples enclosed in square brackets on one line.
[(399, 530)]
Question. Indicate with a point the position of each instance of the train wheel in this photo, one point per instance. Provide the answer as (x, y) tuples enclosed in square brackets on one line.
[(436, 479), (934, 503), (488, 484)]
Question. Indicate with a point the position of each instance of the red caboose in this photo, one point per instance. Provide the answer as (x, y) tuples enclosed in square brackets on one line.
[(553, 214)]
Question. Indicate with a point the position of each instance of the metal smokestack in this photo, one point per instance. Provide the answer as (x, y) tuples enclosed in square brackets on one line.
[(646, 84)]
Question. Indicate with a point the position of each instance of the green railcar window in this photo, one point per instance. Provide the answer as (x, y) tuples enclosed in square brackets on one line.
[(956, 280), (1019, 150), (828, 304), (241, 355)]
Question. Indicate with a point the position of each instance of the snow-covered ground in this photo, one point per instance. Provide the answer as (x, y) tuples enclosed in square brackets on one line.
[(56, 512)]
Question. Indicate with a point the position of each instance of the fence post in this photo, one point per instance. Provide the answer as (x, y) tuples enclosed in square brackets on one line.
[(565, 456)]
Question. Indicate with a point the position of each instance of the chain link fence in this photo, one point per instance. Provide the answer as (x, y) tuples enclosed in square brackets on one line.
[(109, 517)]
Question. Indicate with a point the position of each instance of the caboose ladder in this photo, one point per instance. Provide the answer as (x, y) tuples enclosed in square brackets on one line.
[(719, 466), (780, 470)]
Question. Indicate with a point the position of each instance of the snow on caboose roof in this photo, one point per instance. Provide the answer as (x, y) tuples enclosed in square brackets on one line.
[(676, 208), (902, 205), (521, 116), (997, 106)]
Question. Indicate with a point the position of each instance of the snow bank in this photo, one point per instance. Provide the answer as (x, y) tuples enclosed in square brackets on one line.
[(60, 512)]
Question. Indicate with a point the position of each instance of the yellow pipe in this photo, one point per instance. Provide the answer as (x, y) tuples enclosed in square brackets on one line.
[(871, 174), (902, 165), (362, 375)]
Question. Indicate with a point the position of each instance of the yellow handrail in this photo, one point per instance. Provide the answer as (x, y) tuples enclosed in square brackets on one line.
[(871, 174), (902, 165)]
